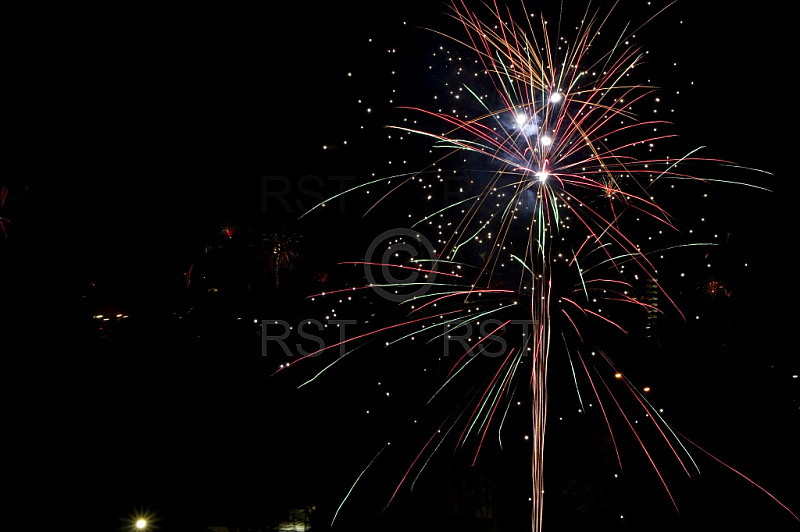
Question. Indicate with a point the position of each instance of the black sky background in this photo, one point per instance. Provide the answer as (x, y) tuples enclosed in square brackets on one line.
[(124, 153)]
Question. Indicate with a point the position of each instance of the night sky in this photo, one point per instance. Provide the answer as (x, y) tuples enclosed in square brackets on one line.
[(125, 197)]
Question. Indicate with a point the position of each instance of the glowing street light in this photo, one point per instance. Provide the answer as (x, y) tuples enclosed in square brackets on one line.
[(141, 521)]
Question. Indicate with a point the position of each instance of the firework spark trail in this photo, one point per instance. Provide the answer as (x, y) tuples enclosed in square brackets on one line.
[(496, 401), (460, 293), (3, 196), (644, 448), (414, 462), (651, 413), (480, 404), (655, 413), (741, 475), (420, 270), (653, 419), (587, 311), (370, 333), (4, 192), (602, 408), (476, 344), (540, 308), (356, 482)]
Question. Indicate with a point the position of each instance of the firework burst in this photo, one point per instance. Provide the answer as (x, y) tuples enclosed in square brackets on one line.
[(571, 169), (564, 135)]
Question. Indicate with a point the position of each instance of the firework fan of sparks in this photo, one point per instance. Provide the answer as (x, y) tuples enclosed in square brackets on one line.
[(3, 221), (4, 208), (572, 159)]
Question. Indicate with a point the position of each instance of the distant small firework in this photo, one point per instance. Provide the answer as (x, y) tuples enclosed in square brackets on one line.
[(279, 253), (713, 287)]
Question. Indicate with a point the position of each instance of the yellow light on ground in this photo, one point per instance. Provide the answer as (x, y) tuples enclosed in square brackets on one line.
[(618, 375), (646, 389), (141, 520)]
